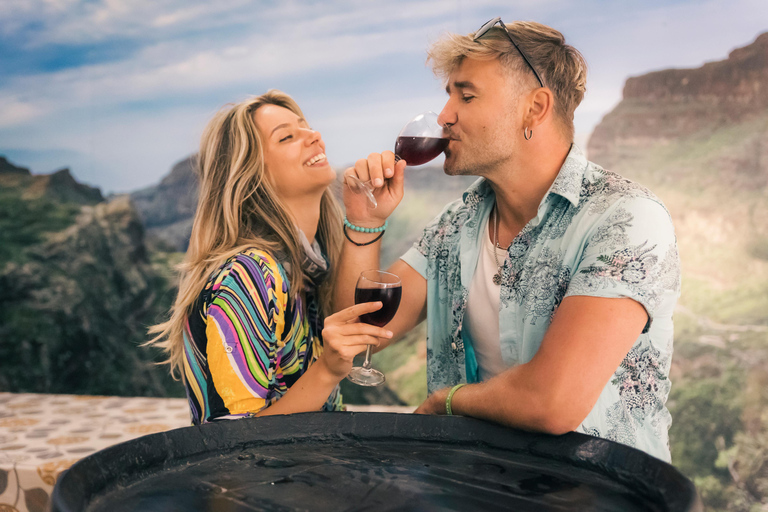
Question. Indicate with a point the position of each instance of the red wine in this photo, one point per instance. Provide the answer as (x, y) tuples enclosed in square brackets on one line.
[(390, 297), (419, 150)]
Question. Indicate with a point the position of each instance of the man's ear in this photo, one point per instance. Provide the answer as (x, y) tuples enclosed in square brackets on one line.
[(540, 105)]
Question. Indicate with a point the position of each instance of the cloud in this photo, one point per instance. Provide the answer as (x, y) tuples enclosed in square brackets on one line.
[(17, 111), (357, 66), (168, 70)]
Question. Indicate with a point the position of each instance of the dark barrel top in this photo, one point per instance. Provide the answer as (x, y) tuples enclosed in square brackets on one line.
[(369, 461)]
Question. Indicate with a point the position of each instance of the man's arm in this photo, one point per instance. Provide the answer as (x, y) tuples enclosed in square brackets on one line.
[(413, 303), (584, 345)]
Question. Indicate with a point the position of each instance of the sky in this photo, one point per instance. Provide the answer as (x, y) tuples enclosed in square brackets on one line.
[(120, 90)]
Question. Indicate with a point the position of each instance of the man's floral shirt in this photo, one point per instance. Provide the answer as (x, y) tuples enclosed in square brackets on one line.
[(595, 234)]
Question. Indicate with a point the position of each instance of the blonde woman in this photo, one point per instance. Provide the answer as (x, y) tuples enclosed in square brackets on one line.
[(246, 332)]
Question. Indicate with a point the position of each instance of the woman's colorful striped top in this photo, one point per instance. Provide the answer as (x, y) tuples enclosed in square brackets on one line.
[(247, 341)]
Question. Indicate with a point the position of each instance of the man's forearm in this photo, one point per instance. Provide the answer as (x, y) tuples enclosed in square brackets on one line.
[(509, 399)]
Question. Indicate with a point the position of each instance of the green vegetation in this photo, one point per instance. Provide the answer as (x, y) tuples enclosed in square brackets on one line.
[(405, 365), (78, 296), (24, 223), (714, 185)]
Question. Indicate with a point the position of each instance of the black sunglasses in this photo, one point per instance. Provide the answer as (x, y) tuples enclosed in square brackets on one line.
[(489, 25)]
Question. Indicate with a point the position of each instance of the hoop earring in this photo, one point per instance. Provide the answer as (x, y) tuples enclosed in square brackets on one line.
[(527, 135)]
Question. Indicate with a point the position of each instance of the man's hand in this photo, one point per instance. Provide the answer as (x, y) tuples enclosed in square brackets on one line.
[(435, 403)]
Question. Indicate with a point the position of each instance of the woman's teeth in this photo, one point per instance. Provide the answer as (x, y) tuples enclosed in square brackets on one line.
[(315, 159)]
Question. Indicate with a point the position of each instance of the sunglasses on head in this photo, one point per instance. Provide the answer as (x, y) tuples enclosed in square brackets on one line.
[(489, 25)]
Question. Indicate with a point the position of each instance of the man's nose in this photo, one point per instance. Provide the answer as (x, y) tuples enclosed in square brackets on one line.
[(447, 116)]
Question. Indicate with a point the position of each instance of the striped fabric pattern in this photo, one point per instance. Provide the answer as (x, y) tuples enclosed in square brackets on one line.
[(247, 341)]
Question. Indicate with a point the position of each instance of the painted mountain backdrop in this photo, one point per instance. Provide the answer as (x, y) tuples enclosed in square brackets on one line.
[(699, 139), (84, 276)]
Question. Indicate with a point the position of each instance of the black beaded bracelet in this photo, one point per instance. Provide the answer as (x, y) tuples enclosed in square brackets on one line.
[(381, 234)]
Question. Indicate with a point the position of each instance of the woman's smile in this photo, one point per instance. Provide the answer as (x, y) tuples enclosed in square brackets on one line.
[(318, 160)]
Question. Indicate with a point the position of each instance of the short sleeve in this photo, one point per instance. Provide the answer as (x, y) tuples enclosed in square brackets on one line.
[(244, 318), (440, 231), (631, 253), (416, 260)]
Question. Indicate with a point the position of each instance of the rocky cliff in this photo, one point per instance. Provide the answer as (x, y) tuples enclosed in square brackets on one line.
[(667, 106), (702, 134), (167, 209), (79, 290)]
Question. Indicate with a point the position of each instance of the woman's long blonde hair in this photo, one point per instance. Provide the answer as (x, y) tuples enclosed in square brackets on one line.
[(237, 209)]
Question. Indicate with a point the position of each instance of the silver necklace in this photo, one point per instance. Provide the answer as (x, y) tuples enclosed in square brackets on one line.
[(497, 275)]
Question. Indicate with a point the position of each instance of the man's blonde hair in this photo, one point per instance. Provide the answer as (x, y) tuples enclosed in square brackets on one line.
[(561, 67)]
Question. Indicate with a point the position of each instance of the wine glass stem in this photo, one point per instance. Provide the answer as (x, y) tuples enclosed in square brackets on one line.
[(367, 362)]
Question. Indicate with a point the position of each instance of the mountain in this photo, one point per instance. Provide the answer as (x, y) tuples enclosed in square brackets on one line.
[(59, 186), (7, 168), (167, 209), (714, 109), (79, 290), (699, 139)]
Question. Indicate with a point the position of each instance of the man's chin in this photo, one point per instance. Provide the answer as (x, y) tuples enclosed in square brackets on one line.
[(453, 168)]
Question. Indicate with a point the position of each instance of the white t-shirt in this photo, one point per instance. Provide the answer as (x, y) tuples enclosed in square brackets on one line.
[(482, 315)]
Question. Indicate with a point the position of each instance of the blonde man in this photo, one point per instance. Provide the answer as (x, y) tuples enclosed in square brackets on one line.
[(549, 287)]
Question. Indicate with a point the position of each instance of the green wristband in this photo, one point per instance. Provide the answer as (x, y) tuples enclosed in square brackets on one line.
[(455, 388)]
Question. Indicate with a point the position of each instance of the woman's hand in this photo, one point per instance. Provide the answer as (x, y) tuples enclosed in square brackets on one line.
[(344, 336), (386, 177)]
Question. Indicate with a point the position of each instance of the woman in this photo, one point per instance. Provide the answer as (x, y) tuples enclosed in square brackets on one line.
[(245, 331)]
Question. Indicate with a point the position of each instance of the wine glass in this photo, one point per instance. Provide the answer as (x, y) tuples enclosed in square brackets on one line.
[(372, 286), (420, 141)]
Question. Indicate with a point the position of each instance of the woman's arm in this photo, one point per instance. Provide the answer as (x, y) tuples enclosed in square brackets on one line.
[(244, 324), (343, 338)]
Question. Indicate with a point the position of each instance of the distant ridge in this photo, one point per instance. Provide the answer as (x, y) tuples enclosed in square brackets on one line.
[(675, 103), (59, 186), (7, 167), (167, 209)]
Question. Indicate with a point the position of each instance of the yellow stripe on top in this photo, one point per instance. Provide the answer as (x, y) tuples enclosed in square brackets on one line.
[(244, 329), (237, 397)]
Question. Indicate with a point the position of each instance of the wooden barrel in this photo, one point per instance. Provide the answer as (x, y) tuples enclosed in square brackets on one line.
[(369, 461)]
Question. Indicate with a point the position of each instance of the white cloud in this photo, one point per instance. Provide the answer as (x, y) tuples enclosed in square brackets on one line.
[(201, 54), (163, 70), (17, 111)]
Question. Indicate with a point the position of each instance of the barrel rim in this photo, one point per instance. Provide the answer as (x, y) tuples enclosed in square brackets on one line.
[(94, 475)]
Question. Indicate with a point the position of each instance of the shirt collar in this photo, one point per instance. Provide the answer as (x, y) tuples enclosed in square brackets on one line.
[(567, 183), (477, 191)]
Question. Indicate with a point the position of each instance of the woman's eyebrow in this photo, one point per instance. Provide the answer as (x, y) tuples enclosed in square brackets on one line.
[(287, 125)]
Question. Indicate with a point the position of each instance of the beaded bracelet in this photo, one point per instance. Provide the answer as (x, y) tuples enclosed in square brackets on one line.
[(448, 399), (365, 230)]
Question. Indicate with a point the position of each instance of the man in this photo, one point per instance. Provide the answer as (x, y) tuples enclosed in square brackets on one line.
[(550, 286)]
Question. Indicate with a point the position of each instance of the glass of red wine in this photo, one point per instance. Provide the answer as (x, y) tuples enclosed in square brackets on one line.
[(373, 286), (419, 142)]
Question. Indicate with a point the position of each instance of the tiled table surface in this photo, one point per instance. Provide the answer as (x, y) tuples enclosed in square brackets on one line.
[(42, 435)]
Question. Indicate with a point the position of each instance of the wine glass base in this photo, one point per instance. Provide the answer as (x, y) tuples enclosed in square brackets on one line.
[(366, 376)]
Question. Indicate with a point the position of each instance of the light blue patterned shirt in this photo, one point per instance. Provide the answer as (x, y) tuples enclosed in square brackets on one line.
[(595, 234)]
